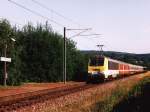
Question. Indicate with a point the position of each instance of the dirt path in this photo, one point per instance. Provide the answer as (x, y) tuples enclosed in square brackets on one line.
[(31, 87), (75, 102)]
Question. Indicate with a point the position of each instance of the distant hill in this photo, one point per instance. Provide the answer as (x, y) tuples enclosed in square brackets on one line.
[(137, 59)]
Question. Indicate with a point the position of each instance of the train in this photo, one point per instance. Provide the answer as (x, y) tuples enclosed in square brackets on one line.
[(101, 68)]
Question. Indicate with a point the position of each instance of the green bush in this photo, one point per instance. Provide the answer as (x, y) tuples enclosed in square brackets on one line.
[(37, 54)]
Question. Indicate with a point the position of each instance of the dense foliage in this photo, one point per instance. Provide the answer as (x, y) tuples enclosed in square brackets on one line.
[(37, 55)]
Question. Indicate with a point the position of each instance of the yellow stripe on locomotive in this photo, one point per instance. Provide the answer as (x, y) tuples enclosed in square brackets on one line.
[(101, 68), (96, 68), (97, 65)]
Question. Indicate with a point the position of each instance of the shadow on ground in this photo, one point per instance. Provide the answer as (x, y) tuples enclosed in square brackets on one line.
[(139, 103)]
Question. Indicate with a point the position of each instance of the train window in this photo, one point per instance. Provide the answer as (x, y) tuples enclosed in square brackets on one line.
[(113, 65), (96, 61)]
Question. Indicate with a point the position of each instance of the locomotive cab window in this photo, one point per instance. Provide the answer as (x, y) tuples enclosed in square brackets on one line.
[(96, 61)]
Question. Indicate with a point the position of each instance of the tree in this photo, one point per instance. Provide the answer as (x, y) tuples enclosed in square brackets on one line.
[(37, 54), (6, 33)]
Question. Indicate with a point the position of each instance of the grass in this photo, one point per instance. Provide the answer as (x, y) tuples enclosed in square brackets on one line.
[(137, 99), (116, 96), (6, 87), (108, 103), (102, 100), (122, 100)]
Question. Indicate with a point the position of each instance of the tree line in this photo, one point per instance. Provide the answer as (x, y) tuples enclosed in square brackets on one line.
[(37, 55), (136, 59)]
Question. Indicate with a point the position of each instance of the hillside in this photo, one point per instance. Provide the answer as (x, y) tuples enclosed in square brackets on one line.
[(137, 59)]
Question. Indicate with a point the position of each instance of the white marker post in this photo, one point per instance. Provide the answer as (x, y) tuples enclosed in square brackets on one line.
[(4, 59)]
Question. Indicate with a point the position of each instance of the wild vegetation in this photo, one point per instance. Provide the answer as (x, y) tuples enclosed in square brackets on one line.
[(37, 54), (136, 99), (105, 97)]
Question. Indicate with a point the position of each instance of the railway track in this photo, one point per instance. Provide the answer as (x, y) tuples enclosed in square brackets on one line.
[(18, 101), (14, 102)]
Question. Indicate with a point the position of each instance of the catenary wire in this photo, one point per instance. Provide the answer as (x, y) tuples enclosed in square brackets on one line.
[(36, 13), (58, 14)]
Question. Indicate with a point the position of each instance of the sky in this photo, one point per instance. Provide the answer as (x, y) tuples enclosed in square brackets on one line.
[(124, 25)]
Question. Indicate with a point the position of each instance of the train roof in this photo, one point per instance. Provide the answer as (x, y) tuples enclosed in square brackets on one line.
[(118, 61)]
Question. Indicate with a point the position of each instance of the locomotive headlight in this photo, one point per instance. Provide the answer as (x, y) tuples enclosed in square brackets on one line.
[(89, 71), (95, 72)]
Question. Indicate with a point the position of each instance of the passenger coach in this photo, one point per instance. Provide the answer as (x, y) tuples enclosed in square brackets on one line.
[(101, 68)]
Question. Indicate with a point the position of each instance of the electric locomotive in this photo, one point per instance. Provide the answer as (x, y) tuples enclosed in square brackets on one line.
[(101, 68)]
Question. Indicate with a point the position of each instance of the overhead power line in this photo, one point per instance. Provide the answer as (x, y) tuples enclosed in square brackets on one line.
[(78, 34), (91, 34), (47, 18), (58, 14), (36, 13), (55, 12)]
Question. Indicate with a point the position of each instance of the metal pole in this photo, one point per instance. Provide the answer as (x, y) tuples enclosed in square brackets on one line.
[(5, 65), (64, 57), (65, 50)]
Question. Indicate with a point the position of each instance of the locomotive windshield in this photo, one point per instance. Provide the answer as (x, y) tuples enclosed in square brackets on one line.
[(96, 61)]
